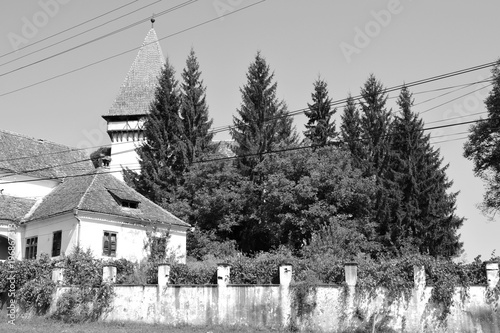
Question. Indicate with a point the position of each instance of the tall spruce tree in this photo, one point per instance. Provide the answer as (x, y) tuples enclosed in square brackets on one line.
[(417, 209), (375, 126), (262, 123), (163, 156), (350, 128), (483, 147), (320, 128), (194, 110)]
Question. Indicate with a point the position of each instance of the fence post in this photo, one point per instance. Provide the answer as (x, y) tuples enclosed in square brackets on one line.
[(109, 273), (58, 274), (223, 273), (285, 274), (351, 273), (492, 274), (351, 278), (163, 274)]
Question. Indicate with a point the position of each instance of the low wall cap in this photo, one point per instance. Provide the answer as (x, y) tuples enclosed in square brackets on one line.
[(351, 263), (223, 264)]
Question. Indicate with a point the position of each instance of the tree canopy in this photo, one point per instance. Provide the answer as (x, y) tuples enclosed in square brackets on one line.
[(483, 146)]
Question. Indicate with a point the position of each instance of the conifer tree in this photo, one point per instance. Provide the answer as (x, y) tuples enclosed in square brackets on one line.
[(375, 125), (194, 110), (262, 122), (350, 128), (163, 155), (320, 128), (418, 210)]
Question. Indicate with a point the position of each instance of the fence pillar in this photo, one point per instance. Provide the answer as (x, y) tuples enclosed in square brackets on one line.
[(163, 274), (57, 275), (351, 273), (109, 273), (419, 278), (492, 274), (285, 274), (223, 273)]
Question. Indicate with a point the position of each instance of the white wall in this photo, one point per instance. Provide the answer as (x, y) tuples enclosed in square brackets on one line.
[(44, 230), (130, 238), (25, 186), (123, 155)]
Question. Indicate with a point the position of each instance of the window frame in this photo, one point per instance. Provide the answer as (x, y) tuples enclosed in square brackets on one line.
[(31, 247), (54, 248), (107, 238)]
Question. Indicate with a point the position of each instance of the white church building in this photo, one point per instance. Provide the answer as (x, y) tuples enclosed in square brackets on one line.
[(52, 199)]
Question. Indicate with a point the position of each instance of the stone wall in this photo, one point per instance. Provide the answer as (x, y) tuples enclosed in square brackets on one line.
[(323, 307)]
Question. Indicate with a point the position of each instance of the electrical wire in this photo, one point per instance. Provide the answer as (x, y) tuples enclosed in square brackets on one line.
[(212, 131), (66, 30), (98, 38), (230, 158), (130, 50)]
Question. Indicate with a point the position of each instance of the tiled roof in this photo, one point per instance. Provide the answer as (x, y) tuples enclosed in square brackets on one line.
[(14, 209), (138, 89), (93, 193), (39, 158)]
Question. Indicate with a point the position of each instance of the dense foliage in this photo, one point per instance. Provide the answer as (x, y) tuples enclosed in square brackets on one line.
[(379, 192), (483, 146)]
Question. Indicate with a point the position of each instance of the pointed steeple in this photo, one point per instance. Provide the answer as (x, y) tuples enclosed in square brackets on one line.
[(138, 89)]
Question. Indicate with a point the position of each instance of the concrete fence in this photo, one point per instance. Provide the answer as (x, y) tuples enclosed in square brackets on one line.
[(323, 307)]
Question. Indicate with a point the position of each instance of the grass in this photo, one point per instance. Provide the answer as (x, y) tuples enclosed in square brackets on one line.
[(43, 325)]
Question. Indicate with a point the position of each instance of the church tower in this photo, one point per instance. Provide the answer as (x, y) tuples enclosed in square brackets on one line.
[(127, 114)]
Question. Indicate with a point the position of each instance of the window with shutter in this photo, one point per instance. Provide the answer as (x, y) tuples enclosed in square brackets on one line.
[(56, 243), (109, 244), (31, 247)]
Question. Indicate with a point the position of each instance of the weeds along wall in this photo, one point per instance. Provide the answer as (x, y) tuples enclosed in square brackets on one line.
[(305, 306)]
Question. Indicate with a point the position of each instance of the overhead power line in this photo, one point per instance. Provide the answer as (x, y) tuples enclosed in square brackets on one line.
[(342, 102), (230, 158), (66, 30), (130, 50), (98, 38), (221, 129)]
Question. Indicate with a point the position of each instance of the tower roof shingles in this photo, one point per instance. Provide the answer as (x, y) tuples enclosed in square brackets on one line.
[(138, 89)]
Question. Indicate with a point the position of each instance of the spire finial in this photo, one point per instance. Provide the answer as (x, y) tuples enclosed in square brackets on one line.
[(152, 21)]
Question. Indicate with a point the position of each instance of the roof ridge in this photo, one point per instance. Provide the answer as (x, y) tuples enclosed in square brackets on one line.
[(86, 190)]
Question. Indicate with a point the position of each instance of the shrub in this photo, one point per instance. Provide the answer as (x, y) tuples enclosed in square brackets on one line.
[(36, 295), (84, 303)]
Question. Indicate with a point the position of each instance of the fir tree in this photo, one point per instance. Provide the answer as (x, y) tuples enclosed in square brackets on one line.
[(262, 123), (350, 128), (418, 210), (194, 110), (375, 125), (320, 128), (163, 156)]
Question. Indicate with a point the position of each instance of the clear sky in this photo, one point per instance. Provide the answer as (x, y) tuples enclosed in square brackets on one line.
[(342, 41)]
